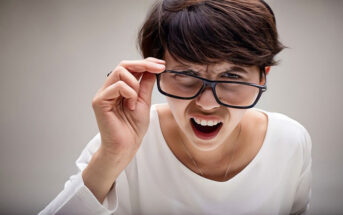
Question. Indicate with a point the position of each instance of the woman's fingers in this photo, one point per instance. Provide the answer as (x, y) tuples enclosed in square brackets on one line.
[(130, 80), (120, 73), (146, 85), (133, 70), (115, 91), (145, 65), (152, 59), (138, 75)]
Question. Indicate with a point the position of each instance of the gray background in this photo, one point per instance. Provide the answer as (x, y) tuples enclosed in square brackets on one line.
[(54, 55)]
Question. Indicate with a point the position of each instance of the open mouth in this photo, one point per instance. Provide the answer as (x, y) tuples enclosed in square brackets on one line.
[(205, 129)]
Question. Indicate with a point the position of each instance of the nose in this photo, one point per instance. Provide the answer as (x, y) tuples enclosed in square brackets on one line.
[(206, 99)]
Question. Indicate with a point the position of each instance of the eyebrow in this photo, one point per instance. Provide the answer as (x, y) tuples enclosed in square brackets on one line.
[(231, 69), (236, 69)]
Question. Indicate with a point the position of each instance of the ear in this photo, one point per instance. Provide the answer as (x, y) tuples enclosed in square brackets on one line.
[(264, 76), (267, 68)]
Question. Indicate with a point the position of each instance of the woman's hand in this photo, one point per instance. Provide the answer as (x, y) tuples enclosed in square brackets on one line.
[(122, 105), (122, 111)]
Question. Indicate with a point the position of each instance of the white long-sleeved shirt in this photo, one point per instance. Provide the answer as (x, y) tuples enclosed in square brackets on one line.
[(276, 181)]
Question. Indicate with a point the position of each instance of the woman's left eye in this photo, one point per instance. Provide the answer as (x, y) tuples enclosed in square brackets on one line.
[(231, 76)]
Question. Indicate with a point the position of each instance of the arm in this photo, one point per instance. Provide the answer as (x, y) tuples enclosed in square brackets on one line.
[(76, 197), (302, 198), (121, 107)]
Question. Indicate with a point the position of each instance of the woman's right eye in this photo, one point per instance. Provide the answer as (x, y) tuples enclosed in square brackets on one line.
[(191, 73), (188, 72), (181, 75)]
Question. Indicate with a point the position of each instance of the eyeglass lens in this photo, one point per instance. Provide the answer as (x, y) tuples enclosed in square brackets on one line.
[(185, 86)]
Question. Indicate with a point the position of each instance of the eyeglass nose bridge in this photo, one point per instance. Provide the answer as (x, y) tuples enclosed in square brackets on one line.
[(205, 84)]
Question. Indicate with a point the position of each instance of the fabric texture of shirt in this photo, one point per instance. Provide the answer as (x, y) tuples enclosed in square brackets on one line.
[(276, 181)]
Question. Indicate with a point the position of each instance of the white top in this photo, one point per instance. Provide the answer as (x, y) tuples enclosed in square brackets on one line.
[(276, 181)]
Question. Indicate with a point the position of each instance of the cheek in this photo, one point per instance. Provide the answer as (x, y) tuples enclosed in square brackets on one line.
[(178, 108), (235, 116)]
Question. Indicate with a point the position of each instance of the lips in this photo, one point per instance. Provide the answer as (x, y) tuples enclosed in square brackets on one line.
[(205, 129)]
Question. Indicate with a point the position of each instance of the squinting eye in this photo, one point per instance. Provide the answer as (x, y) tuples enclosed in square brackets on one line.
[(190, 72), (182, 76), (231, 76)]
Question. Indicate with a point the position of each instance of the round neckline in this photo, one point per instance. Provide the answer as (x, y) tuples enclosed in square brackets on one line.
[(206, 180)]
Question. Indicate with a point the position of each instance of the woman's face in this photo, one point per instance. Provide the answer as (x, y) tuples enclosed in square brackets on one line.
[(190, 115)]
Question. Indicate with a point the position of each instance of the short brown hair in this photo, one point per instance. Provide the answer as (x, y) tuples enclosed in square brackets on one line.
[(242, 32)]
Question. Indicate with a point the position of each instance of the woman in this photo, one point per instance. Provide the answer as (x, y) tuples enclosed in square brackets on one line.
[(207, 151)]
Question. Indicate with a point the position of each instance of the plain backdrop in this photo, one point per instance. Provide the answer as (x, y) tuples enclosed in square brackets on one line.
[(54, 56)]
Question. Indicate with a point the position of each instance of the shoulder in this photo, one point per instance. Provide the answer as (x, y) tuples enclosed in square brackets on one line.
[(287, 126), (159, 117), (154, 124), (287, 131), (153, 135)]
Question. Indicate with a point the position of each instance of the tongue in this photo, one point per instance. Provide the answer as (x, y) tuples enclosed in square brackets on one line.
[(205, 129)]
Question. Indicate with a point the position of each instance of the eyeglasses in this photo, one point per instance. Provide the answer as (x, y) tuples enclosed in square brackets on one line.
[(185, 85)]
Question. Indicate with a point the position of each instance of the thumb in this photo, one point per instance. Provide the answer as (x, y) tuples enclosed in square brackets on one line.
[(146, 85)]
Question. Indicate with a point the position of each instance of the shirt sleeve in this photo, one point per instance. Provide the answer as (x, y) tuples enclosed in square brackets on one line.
[(302, 198), (76, 198)]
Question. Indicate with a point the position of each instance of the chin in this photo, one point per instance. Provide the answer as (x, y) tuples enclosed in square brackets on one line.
[(205, 146)]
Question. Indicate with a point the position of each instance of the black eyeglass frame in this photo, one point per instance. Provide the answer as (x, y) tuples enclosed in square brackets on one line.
[(212, 84)]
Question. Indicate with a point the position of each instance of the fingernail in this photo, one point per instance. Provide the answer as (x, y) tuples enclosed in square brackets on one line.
[(159, 66)]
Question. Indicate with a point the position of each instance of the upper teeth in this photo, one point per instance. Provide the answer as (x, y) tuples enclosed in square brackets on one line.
[(206, 122)]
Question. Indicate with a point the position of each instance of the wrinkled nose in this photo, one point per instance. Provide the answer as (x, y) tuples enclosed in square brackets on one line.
[(206, 100)]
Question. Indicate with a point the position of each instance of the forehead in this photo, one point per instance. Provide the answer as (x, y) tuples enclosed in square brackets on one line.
[(174, 64)]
